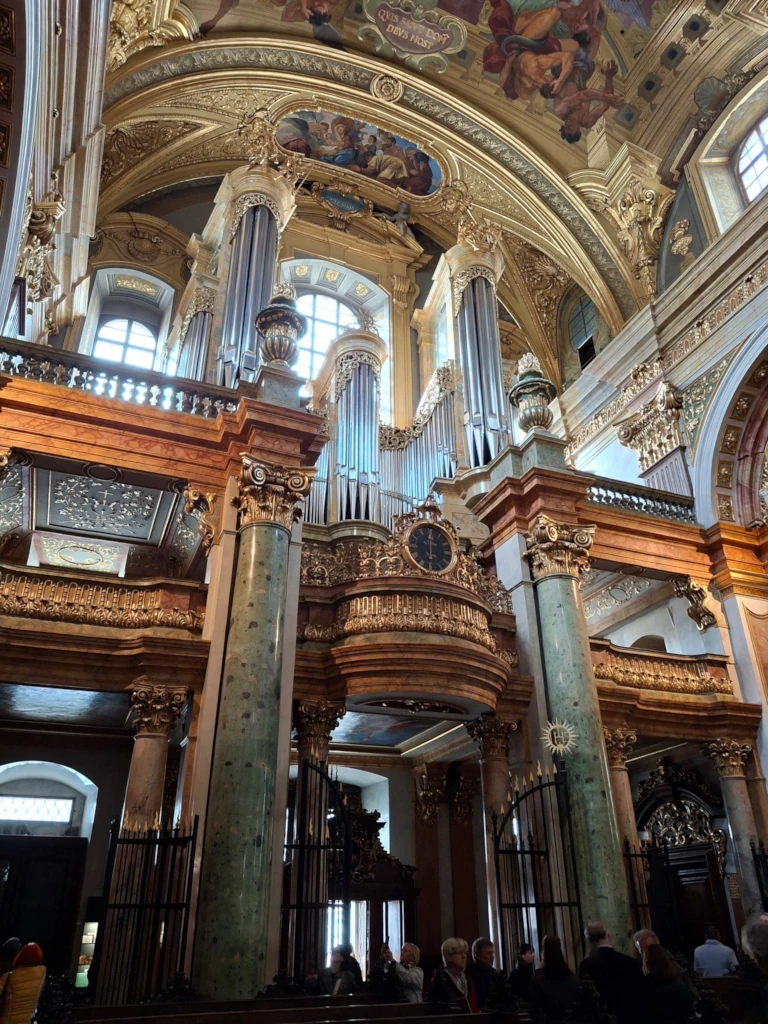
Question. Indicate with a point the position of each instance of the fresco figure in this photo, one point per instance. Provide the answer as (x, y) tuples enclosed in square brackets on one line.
[(318, 14), (360, 147)]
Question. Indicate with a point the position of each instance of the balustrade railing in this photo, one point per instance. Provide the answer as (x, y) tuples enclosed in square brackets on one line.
[(644, 500), (650, 670), (112, 380)]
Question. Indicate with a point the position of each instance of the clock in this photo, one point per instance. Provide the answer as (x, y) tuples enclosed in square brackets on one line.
[(430, 548)]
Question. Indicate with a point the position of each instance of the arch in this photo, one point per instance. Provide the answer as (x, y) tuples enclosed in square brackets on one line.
[(51, 771), (714, 484), (651, 642)]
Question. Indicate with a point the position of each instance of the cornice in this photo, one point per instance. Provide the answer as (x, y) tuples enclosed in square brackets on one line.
[(693, 718)]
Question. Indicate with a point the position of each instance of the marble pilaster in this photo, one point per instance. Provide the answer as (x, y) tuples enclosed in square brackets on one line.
[(235, 889), (729, 757), (557, 553), (156, 711), (618, 745)]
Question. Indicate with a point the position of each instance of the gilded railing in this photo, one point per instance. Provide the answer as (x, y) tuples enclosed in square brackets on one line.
[(112, 380), (62, 597), (645, 501), (649, 670)]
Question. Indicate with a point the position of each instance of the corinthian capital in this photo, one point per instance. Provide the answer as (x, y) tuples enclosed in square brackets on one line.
[(492, 734), (270, 493), (639, 216), (618, 746), (315, 720), (558, 548), (157, 709), (728, 756)]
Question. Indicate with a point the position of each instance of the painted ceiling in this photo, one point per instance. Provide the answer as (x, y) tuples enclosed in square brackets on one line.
[(563, 56)]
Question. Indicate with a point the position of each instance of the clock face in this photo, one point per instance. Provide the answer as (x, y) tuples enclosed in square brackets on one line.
[(430, 549)]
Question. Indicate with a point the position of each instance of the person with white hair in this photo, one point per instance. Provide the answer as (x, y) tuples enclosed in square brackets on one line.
[(451, 990), (404, 979)]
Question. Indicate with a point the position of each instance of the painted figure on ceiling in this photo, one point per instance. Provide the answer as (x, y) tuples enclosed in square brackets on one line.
[(551, 48)]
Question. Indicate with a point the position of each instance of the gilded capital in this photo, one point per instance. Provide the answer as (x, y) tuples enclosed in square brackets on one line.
[(639, 216), (618, 746), (315, 720), (728, 756), (556, 549), (430, 788), (492, 734), (157, 709), (271, 493)]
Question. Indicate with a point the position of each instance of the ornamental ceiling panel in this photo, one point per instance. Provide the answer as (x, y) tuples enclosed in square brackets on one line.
[(128, 144)]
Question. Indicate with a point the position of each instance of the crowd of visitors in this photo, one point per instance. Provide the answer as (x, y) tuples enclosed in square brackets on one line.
[(650, 986)]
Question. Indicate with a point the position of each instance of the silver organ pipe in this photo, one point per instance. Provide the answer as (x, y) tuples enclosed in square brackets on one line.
[(411, 458)]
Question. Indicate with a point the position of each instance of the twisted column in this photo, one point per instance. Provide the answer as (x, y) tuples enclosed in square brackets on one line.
[(729, 757), (618, 746), (235, 885), (156, 711), (557, 554)]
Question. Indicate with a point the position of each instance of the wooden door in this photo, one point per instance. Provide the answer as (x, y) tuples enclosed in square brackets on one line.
[(41, 879)]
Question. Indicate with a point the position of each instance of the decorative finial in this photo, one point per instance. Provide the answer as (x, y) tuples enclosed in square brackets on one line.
[(281, 325), (532, 394)]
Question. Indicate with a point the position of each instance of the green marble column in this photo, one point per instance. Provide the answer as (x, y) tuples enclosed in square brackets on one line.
[(557, 553), (730, 758), (233, 910)]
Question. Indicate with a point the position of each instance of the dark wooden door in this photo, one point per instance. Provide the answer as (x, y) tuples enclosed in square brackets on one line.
[(41, 879), (689, 894)]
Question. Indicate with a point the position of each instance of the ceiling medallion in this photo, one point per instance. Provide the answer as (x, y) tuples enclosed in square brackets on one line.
[(559, 737), (387, 88)]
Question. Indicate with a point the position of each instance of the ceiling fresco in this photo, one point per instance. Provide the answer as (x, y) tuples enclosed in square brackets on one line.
[(564, 57), (363, 148)]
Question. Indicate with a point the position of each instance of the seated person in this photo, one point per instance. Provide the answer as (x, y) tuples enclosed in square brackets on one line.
[(713, 959), (485, 977), (333, 980), (451, 990)]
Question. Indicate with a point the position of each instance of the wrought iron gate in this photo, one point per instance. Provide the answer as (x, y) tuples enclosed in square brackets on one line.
[(142, 938), (536, 883), (317, 884)]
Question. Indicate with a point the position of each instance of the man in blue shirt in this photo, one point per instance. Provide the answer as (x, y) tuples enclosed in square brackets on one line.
[(713, 959)]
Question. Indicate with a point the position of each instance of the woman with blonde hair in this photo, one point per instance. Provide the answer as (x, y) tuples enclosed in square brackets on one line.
[(403, 980), (451, 990)]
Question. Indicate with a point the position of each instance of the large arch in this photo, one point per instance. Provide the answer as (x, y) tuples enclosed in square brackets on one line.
[(50, 771)]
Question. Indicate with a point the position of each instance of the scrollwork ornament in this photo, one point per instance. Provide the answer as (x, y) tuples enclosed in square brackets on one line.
[(728, 756), (208, 504), (463, 278), (247, 202), (271, 493), (463, 800), (430, 787), (696, 596), (202, 302), (348, 362), (387, 88), (558, 548), (157, 709)]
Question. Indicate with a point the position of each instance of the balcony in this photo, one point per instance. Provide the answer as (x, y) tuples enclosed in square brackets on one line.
[(669, 673)]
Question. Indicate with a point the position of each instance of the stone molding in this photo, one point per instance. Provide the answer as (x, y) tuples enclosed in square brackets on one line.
[(464, 795), (728, 756), (556, 549), (157, 709), (315, 720), (492, 735), (430, 781), (270, 493), (618, 746)]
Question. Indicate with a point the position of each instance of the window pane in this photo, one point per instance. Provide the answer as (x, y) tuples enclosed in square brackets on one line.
[(140, 341), (753, 162), (326, 308), (35, 808), (138, 357), (108, 350)]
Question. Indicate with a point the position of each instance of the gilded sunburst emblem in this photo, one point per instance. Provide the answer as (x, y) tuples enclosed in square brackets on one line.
[(559, 737)]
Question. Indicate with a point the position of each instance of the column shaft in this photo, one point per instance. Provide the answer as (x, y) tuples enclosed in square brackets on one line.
[(235, 889), (618, 744), (156, 711)]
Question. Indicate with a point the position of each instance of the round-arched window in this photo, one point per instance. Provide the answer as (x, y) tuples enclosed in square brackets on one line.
[(753, 161), (126, 341), (327, 319), (581, 327)]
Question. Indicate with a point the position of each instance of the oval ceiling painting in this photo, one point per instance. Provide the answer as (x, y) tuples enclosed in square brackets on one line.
[(357, 146)]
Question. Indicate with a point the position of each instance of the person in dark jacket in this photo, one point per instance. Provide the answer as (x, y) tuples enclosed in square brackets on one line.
[(333, 980), (349, 963), (520, 979), (555, 987), (451, 990), (485, 977), (667, 998), (616, 977)]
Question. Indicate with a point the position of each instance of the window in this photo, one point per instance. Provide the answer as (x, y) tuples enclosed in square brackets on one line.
[(36, 808), (582, 329), (126, 341), (753, 162), (327, 319)]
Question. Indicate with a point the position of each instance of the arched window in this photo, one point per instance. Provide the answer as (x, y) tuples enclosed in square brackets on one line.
[(753, 161), (581, 326), (327, 319), (126, 341)]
